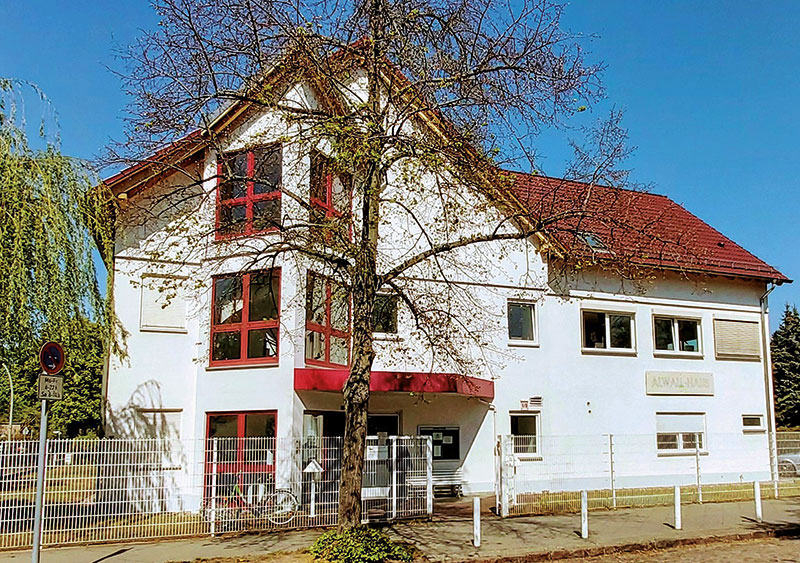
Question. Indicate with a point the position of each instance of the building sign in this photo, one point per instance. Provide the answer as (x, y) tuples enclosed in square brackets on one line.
[(679, 383)]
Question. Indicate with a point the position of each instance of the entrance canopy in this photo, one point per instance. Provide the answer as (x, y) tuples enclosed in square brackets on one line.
[(325, 379)]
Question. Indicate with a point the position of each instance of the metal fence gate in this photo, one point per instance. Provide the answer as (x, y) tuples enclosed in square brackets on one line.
[(123, 489), (546, 474)]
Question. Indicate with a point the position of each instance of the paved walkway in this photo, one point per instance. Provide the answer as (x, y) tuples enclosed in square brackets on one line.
[(448, 537)]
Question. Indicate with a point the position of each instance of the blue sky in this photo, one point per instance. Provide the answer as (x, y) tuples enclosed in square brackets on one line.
[(711, 92)]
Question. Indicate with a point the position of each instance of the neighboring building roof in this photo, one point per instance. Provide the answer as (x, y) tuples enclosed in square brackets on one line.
[(646, 229)]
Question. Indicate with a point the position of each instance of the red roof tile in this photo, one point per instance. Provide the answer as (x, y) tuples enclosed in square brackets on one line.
[(639, 227)]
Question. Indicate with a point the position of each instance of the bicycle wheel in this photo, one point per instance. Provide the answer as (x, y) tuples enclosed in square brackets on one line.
[(281, 507)]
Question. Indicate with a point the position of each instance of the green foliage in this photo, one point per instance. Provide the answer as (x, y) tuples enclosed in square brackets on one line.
[(786, 368), (54, 222), (358, 545)]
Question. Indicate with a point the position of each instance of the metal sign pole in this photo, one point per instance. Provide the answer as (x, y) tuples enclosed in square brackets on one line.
[(40, 468)]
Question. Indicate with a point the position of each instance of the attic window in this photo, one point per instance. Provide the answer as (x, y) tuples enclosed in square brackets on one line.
[(249, 191), (593, 241)]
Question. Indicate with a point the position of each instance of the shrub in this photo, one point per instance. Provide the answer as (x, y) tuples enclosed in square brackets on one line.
[(358, 545)]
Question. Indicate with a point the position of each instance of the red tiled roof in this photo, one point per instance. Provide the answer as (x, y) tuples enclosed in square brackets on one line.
[(642, 228)]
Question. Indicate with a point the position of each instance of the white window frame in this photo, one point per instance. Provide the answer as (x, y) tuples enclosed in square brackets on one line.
[(761, 428), (537, 454), (534, 323), (681, 434), (675, 337), (608, 349)]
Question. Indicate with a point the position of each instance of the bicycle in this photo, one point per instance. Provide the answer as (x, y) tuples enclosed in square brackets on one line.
[(248, 506)]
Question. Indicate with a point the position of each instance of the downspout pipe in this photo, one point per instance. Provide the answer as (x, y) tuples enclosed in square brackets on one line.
[(768, 384)]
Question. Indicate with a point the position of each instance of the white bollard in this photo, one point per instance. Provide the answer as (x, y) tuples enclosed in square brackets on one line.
[(678, 523), (757, 491), (476, 521), (584, 515)]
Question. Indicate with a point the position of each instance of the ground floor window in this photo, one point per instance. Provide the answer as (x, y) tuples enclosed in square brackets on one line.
[(244, 441), (525, 432), (445, 441), (680, 432)]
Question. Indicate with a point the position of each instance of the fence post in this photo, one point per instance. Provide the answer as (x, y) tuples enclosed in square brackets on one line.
[(677, 501), (394, 476), (429, 474), (757, 494), (773, 462), (213, 486), (584, 515), (611, 467), (697, 470), (38, 515), (476, 521), (505, 493)]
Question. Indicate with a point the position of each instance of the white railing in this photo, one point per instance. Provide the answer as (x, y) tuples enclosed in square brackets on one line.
[(123, 489), (546, 474)]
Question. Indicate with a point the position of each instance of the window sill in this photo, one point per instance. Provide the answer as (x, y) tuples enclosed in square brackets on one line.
[(386, 337), (681, 453), (754, 431), (678, 355), (523, 344), (236, 236), (724, 358), (243, 366), (166, 330), (528, 457), (607, 352)]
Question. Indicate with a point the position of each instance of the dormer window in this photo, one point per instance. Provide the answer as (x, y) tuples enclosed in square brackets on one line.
[(593, 242), (249, 191)]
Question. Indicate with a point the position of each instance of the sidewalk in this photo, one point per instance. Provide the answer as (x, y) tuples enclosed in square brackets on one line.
[(448, 537)]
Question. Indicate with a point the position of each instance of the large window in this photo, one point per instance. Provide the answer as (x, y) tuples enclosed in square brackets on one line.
[(330, 190), (676, 335), (244, 318), (249, 191), (445, 441), (680, 432), (384, 314), (607, 331), (521, 323), (327, 322), (525, 433)]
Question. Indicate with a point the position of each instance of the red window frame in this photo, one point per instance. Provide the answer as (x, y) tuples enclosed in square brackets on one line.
[(327, 329), (240, 465), (245, 325), (321, 163), (248, 200)]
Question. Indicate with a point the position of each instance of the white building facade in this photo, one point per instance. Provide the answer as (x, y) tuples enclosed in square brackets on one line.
[(226, 341)]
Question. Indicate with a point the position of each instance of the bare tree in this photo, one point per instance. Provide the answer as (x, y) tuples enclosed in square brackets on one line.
[(413, 104)]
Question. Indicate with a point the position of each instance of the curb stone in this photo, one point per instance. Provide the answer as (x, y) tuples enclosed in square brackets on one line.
[(558, 554)]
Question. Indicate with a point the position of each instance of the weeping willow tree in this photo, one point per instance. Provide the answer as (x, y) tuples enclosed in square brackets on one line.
[(55, 224)]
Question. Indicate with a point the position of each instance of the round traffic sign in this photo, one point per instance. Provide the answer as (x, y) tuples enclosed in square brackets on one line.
[(51, 358)]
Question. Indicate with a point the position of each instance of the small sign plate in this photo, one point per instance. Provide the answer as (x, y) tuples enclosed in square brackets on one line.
[(51, 387), (679, 383)]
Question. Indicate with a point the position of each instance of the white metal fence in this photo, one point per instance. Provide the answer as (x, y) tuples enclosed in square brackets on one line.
[(545, 474), (117, 490)]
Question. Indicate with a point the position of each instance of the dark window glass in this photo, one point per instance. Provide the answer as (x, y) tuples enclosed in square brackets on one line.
[(667, 441), (264, 296), (225, 428), (621, 336), (232, 219), (227, 346), (315, 345), (262, 343), (228, 301), (266, 214), (687, 335), (234, 169), (388, 423), (664, 337), (315, 300), (267, 169), (751, 421), (594, 330), (340, 307), (384, 314), (690, 439), (523, 430), (520, 321)]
